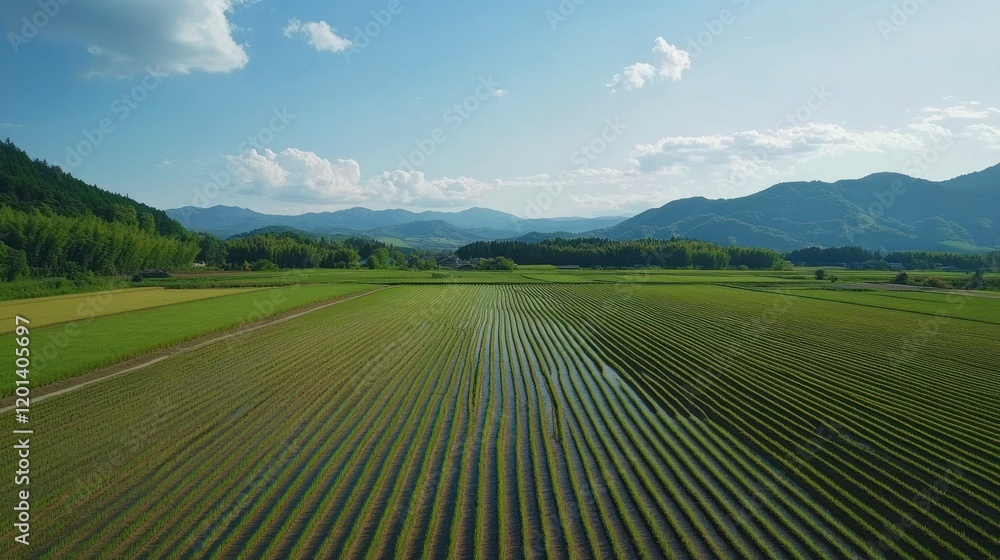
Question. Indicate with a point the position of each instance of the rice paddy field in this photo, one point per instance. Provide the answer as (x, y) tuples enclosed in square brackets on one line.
[(59, 309), (93, 330), (540, 420)]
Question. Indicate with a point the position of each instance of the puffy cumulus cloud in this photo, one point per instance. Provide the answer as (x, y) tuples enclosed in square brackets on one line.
[(126, 38), (634, 76), (318, 34), (969, 120), (298, 176), (733, 162), (987, 134), (302, 176), (669, 62), (716, 165), (412, 187)]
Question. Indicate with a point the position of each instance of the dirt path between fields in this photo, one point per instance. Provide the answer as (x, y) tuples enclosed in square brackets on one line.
[(71, 384)]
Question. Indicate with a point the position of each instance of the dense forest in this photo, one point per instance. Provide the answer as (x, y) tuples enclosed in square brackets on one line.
[(52, 224), (27, 185), (839, 256), (55, 245), (594, 252)]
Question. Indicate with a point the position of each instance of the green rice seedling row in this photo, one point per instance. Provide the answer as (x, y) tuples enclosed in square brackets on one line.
[(543, 419)]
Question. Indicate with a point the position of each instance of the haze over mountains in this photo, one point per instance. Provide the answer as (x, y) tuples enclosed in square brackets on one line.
[(436, 230), (885, 211)]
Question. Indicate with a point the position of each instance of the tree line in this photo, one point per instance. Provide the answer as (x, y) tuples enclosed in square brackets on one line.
[(597, 252), (835, 256), (285, 249)]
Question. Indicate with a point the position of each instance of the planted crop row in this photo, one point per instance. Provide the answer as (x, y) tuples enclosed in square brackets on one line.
[(538, 420)]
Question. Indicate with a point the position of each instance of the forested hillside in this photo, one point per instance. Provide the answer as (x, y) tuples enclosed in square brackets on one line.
[(883, 211), (52, 224)]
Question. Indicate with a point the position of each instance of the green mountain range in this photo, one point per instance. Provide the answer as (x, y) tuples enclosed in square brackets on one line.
[(886, 211)]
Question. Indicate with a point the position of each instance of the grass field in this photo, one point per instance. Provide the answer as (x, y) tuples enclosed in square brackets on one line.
[(524, 275), (59, 309), (703, 278), (537, 274), (85, 343), (542, 419), (956, 306)]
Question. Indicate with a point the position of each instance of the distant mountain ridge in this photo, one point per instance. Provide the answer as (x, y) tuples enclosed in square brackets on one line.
[(886, 211), (425, 229)]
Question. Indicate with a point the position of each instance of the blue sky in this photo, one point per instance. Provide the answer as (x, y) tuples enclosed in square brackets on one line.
[(550, 108)]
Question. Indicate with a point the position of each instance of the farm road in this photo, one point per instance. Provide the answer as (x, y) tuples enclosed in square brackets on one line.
[(64, 386)]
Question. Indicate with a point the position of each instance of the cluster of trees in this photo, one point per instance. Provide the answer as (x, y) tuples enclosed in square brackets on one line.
[(977, 281), (284, 250), (595, 252), (271, 250), (54, 245), (929, 259), (834, 256), (500, 263)]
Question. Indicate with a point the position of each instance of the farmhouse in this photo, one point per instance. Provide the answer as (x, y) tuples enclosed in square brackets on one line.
[(453, 262)]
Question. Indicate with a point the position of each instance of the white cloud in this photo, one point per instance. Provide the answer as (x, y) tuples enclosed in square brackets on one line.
[(616, 202), (634, 76), (297, 175), (798, 143), (969, 110), (734, 161), (715, 165), (318, 34), (987, 134), (412, 187), (124, 38), (669, 62)]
